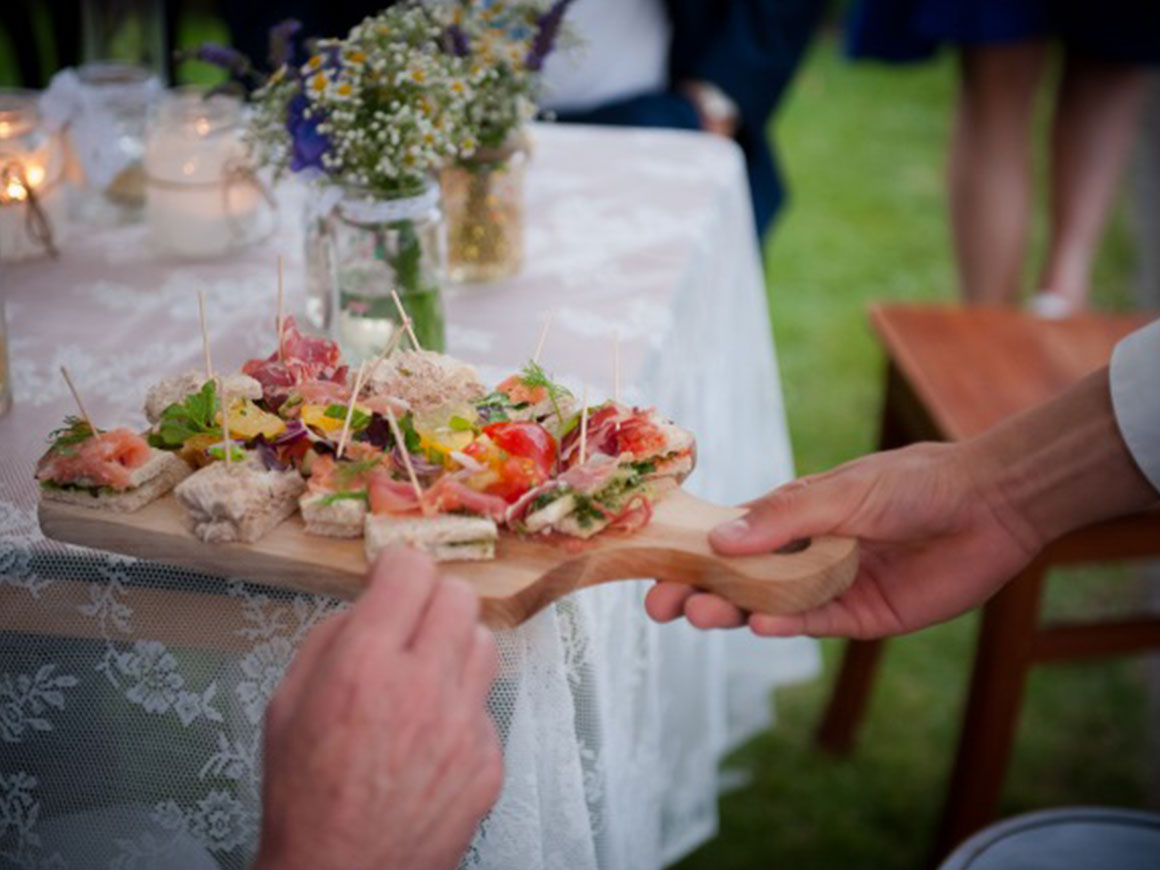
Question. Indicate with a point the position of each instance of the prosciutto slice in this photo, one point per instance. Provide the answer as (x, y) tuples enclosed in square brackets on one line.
[(302, 358)]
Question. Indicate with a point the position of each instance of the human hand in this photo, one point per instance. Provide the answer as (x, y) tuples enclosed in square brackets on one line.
[(934, 544), (379, 751), (716, 112)]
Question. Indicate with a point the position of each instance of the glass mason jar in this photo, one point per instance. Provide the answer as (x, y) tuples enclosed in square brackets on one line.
[(484, 199), (107, 138), (204, 197), (364, 248), (33, 196)]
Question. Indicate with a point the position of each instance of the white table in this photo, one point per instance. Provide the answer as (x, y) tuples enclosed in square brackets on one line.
[(131, 694)]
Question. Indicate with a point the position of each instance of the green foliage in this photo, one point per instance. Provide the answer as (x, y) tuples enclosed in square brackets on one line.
[(196, 415), (74, 431)]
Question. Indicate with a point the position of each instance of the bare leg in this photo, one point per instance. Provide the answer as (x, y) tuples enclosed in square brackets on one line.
[(1095, 122), (990, 168)]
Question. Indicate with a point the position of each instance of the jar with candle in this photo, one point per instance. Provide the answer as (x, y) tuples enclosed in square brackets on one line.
[(104, 108), (33, 197), (204, 198)]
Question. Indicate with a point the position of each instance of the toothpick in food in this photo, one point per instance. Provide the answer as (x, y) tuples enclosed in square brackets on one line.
[(583, 424), (80, 405), (281, 315), (543, 336), (204, 335), (225, 420), (402, 444), (358, 385), (406, 320)]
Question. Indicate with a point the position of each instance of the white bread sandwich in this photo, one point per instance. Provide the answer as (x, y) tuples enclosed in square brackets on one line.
[(423, 379), (655, 447), (239, 501), (585, 500), (531, 394), (444, 537), (115, 471), (174, 389)]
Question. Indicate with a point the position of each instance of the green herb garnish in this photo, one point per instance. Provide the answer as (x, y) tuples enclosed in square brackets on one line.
[(194, 416), (74, 431), (586, 512), (647, 466), (358, 419), (360, 495), (348, 471), (411, 439), (534, 376), (237, 454), (546, 498)]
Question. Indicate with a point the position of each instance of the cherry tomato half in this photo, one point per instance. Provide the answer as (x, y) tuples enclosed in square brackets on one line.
[(523, 455)]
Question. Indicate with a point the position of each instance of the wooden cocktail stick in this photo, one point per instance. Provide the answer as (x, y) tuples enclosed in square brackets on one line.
[(543, 336), (204, 335), (402, 445), (616, 366), (583, 423), (225, 420), (406, 320), (358, 385), (281, 315), (80, 405)]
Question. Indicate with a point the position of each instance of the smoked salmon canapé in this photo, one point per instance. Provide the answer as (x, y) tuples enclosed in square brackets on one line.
[(113, 470)]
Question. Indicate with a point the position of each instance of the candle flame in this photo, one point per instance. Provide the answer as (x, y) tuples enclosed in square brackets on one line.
[(15, 186)]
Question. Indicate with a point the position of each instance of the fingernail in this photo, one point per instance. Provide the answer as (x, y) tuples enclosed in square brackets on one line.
[(734, 530)]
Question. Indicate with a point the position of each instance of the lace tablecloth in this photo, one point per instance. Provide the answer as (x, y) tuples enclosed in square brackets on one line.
[(132, 693)]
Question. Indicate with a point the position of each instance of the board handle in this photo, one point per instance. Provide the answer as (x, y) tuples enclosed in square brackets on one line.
[(675, 547)]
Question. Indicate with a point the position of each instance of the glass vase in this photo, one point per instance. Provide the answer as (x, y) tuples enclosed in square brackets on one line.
[(484, 199), (366, 247)]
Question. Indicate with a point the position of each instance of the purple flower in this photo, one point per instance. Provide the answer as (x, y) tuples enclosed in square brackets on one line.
[(228, 59), (547, 29), (281, 42), (456, 40), (307, 144)]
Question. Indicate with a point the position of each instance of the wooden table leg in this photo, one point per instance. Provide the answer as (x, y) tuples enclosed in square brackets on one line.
[(847, 706), (1003, 656)]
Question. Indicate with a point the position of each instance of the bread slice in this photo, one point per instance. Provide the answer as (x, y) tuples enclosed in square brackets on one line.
[(342, 518), (241, 501), (157, 476), (175, 388), (446, 537)]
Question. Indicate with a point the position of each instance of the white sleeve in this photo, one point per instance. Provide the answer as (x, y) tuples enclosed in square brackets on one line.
[(1135, 385)]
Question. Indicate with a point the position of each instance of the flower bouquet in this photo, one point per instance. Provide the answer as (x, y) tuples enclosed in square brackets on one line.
[(372, 117)]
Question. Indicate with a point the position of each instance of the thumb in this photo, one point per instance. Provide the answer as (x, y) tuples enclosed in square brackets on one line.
[(796, 510)]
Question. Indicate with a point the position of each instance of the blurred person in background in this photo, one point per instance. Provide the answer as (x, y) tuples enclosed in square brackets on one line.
[(692, 64), (1004, 47)]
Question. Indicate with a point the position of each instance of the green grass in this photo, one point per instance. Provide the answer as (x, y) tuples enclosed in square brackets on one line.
[(863, 149)]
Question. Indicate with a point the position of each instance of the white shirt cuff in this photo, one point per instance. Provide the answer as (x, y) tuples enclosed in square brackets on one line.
[(1135, 386)]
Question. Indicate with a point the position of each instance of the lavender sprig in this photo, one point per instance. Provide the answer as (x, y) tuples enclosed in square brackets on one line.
[(547, 29)]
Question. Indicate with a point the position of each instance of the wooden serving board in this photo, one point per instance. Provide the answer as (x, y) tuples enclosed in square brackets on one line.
[(526, 575)]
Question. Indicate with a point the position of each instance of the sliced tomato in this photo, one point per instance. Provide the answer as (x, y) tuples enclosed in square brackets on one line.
[(526, 440), (520, 455)]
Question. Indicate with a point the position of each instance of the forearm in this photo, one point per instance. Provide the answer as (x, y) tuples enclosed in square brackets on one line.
[(1060, 466)]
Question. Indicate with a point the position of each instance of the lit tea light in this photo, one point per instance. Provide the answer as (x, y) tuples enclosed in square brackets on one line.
[(31, 167)]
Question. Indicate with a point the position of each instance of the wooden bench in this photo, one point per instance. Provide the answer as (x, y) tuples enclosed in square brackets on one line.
[(951, 374)]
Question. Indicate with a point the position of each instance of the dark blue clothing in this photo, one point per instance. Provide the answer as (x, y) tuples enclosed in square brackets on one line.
[(1125, 31), (748, 48)]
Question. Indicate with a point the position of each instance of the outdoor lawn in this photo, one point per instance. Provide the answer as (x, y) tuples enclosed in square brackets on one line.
[(862, 147)]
